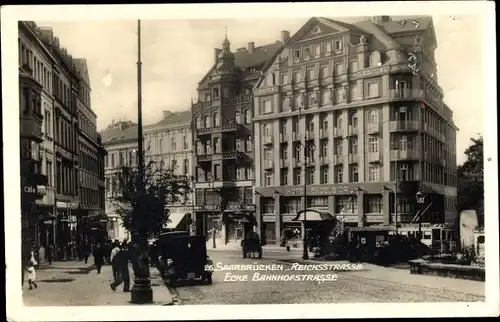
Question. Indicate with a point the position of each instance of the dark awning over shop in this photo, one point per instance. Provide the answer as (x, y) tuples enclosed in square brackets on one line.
[(241, 215), (312, 214), (373, 228)]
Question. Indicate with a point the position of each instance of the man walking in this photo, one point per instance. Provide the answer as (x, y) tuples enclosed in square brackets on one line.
[(122, 259), (98, 257), (112, 258)]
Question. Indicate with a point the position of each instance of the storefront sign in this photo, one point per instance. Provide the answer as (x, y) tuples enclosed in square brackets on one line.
[(268, 218), (325, 190), (48, 222), (288, 218), (35, 190)]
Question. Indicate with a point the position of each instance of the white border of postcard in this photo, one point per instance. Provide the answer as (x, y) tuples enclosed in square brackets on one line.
[(18, 312)]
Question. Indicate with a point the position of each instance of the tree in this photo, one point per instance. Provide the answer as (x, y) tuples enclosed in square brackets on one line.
[(471, 179), (145, 211)]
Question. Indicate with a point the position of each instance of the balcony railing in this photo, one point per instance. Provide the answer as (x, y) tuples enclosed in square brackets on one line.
[(267, 140), (204, 158), (338, 132), (404, 155), (353, 158), (403, 126), (406, 93), (373, 157), (373, 128), (268, 164)]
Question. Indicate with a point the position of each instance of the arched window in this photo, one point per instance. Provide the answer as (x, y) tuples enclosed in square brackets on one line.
[(206, 121), (197, 122), (216, 119), (268, 130), (237, 117), (373, 116), (248, 117)]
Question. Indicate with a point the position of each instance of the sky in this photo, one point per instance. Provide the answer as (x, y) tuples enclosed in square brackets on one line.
[(176, 54)]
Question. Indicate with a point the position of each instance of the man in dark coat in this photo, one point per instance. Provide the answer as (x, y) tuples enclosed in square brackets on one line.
[(99, 257), (50, 254), (121, 261)]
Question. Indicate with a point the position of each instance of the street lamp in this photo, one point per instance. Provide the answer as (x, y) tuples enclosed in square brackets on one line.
[(211, 183), (307, 148), (420, 200)]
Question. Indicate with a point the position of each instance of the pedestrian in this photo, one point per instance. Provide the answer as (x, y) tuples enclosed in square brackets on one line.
[(122, 259), (79, 251), (50, 254), (41, 254), (86, 252), (98, 257), (34, 255), (114, 267), (30, 268)]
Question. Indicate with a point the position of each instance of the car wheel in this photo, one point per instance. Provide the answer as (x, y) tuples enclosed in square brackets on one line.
[(208, 280)]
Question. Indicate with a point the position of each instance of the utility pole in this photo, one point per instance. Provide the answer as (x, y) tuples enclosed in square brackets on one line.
[(396, 195), (305, 251)]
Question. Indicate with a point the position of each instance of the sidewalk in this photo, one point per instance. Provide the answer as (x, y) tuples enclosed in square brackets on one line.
[(69, 264), (57, 287)]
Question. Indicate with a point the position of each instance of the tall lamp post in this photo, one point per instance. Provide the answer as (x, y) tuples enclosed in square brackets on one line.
[(306, 148), (142, 293), (211, 183)]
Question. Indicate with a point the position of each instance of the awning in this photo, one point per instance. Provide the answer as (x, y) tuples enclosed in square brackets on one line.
[(373, 228), (313, 215), (174, 219)]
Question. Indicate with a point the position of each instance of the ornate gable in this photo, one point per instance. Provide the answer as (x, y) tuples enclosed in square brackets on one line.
[(317, 27)]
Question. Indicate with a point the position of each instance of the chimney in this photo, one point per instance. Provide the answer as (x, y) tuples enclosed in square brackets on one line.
[(217, 51), (167, 114), (251, 47), (285, 37), (380, 19)]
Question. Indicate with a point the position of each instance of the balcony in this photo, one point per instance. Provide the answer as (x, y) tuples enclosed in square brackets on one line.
[(324, 160), (407, 93), (404, 155), (403, 126), (310, 135), (338, 159), (373, 129), (231, 155), (202, 105), (284, 163), (205, 131), (311, 162), (296, 163), (353, 130), (338, 132), (268, 165), (296, 136), (373, 157), (229, 128), (267, 91), (283, 137), (31, 128), (323, 134), (353, 158), (204, 158), (267, 140)]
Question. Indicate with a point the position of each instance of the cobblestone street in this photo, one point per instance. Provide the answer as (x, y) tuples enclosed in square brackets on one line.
[(372, 284)]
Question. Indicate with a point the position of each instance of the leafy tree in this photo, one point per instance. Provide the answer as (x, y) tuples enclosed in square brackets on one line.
[(145, 211), (471, 179)]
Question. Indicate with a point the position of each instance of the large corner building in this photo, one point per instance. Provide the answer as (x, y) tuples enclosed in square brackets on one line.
[(373, 128)]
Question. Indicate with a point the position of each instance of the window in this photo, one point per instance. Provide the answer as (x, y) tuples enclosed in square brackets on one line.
[(131, 157), (268, 130), (338, 147), (354, 145), (339, 121), (267, 107), (353, 92), (270, 79), (307, 52), (310, 74), (112, 160), (240, 174), (173, 144), (186, 166), (310, 175), (284, 79), (338, 45), (284, 152), (249, 172), (174, 164), (296, 176), (248, 144), (285, 104), (248, 117), (217, 172), (324, 175), (338, 69), (206, 121), (237, 117), (284, 177), (375, 204), (324, 148), (373, 90), (373, 174), (328, 47), (216, 117), (48, 172), (325, 98), (296, 54), (373, 143), (185, 144), (373, 117), (317, 50), (353, 66), (339, 174), (354, 173), (296, 76), (215, 93), (268, 178), (403, 172), (354, 120), (217, 145), (324, 72)]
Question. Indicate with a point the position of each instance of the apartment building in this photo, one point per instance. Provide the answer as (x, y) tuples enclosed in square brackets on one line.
[(222, 131), (120, 141), (169, 143), (372, 123)]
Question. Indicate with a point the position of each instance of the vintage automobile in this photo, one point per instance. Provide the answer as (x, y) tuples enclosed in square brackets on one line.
[(251, 245), (184, 258)]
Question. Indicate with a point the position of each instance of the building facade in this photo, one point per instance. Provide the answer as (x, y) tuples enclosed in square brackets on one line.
[(222, 131), (169, 144), (32, 95), (120, 141), (91, 213), (373, 125)]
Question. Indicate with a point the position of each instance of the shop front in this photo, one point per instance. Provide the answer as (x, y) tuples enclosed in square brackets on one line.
[(66, 224), (237, 221), (318, 225)]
